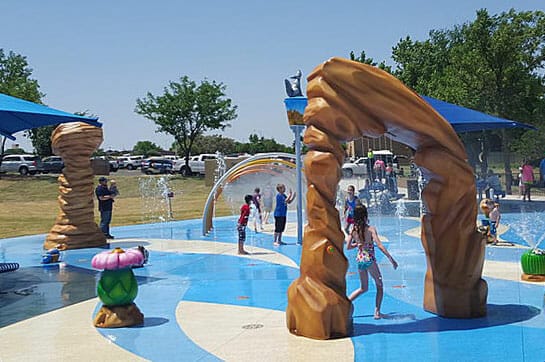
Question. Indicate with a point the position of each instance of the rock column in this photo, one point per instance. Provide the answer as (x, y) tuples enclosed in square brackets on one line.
[(75, 225)]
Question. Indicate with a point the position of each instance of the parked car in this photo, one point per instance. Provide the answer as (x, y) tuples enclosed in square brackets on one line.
[(156, 165), (195, 166), (130, 162), (24, 164), (360, 166), (173, 158), (114, 166), (53, 164)]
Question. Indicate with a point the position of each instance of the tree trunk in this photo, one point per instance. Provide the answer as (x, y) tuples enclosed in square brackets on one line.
[(186, 158), (505, 141), (483, 155)]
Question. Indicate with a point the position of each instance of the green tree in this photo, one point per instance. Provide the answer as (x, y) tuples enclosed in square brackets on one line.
[(213, 144), (99, 152), (146, 148), (41, 140), (186, 110), (260, 145), (15, 151), (41, 137), (16, 80), (370, 61), (494, 64)]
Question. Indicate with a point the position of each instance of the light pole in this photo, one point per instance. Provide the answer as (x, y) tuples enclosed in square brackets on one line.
[(295, 106)]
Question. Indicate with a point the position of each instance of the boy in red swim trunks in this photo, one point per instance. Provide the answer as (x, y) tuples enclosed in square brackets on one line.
[(242, 222)]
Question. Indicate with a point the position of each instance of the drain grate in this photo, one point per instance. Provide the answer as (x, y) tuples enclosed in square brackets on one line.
[(26, 291), (252, 326)]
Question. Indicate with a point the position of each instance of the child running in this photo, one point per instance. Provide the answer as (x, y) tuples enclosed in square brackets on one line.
[(364, 237), (242, 222)]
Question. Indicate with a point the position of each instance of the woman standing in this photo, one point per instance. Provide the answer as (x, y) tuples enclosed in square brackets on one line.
[(364, 237)]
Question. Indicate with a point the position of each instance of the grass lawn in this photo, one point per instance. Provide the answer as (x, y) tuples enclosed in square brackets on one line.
[(29, 204)]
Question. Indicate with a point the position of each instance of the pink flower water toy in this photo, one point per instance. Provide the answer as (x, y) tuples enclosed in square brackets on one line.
[(117, 259)]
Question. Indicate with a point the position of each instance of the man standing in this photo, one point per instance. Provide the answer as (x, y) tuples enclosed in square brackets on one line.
[(105, 206), (370, 164)]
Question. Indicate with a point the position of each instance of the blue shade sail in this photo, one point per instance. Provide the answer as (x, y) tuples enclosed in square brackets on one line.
[(19, 115), (468, 120)]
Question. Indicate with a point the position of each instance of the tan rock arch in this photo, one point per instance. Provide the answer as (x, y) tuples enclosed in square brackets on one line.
[(347, 100)]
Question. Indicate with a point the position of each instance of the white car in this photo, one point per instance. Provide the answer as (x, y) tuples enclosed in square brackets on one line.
[(130, 162), (195, 166), (24, 164), (173, 158), (360, 166)]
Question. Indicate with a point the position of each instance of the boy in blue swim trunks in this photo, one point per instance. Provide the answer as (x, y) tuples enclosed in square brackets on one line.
[(494, 217)]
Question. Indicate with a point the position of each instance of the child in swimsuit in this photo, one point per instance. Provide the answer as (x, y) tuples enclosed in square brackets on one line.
[(364, 237), (349, 206), (495, 217)]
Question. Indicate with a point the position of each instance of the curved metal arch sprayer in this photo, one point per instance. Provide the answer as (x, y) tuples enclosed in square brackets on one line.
[(238, 170), (348, 100)]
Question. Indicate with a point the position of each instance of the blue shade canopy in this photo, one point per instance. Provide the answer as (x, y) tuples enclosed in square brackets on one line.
[(468, 120), (19, 115)]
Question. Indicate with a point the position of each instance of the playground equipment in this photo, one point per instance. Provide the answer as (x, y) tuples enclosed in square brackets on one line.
[(117, 287), (7, 267), (269, 163), (533, 265), (51, 256), (348, 100), (75, 225)]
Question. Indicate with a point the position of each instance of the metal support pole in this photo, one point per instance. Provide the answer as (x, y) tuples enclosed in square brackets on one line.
[(297, 132), (295, 107)]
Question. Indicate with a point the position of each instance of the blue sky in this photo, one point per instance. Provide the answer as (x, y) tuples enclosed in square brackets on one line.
[(102, 55)]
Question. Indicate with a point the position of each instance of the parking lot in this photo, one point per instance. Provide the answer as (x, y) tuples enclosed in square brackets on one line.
[(120, 172)]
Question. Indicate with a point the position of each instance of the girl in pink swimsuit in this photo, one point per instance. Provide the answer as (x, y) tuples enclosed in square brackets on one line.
[(364, 237)]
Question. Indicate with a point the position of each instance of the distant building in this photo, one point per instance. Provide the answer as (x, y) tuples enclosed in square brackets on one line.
[(359, 147)]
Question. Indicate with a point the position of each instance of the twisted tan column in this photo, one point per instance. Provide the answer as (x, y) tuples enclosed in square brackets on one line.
[(75, 225), (348, 100)]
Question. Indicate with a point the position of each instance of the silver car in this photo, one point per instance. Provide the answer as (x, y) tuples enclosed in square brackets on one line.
[(24, 164)]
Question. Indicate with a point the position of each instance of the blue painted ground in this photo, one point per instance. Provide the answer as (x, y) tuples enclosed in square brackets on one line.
[(514, 328)]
